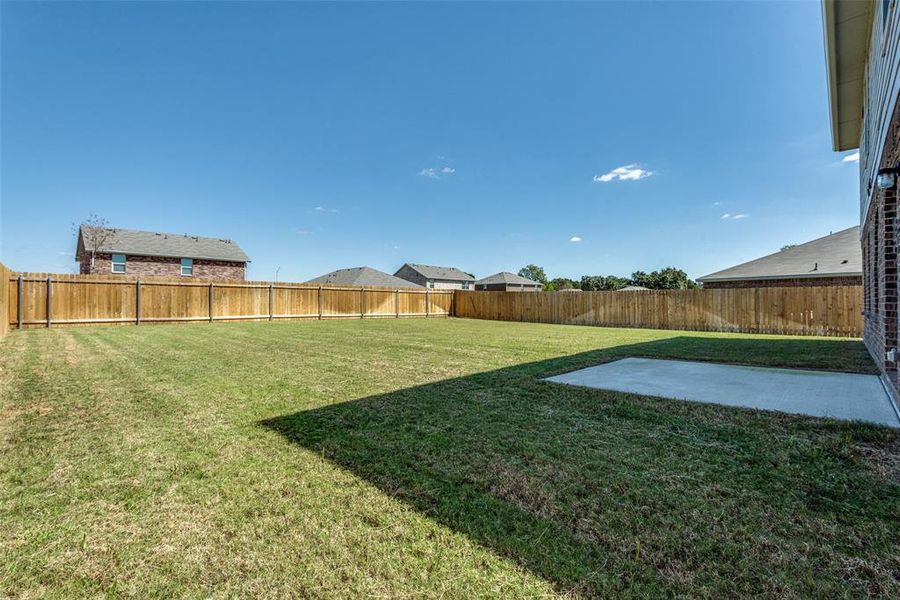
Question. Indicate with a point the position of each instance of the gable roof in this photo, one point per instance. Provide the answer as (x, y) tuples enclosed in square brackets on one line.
[(838, 254), (150, 243), (506, 277), (364, 276), (446, 273), (633, 288)]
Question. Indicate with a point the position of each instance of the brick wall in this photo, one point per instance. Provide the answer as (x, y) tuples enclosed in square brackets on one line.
[(880, 267), (794, 282), (504, 287), (165, 266)]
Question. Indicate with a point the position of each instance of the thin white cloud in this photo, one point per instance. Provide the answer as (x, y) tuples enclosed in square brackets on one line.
[(631, 172), (739, 216), (66, 253), (717, 204), (725, 216), (851, 158), (322, 209), (574, 239), (437, 172), (303, 232), (729, 216)]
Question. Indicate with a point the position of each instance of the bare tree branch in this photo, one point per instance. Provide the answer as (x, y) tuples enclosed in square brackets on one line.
[(96, 234)]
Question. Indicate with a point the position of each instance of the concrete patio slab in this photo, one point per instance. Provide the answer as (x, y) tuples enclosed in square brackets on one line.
[(845, 396)]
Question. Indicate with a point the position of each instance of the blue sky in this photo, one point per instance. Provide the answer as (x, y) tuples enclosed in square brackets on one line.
[(323, 136)]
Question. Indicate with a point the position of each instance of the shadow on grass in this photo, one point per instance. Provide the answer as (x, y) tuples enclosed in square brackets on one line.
[(603, 492)]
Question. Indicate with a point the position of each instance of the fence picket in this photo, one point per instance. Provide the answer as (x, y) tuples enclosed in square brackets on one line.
[(814, 310), (65, 299)]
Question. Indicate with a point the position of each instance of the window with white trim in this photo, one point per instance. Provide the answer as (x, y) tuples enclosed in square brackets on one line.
[(187, 267), (465, 285), (118, 263)]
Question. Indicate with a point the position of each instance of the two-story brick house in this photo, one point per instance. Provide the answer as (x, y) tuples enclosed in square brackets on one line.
[(862, 52), (129, 252)]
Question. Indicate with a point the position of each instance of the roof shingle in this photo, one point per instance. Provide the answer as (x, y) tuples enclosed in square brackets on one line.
[(506, 277), (364, 276), (150, 243), (838, 254), (445, 273)]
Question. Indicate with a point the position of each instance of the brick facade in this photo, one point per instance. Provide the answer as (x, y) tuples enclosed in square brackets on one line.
[(793, 282), (880, 267), (165, 266), (507, 287)]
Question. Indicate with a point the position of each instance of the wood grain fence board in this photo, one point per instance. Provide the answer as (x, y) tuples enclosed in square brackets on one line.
[(816, 310), (7, 291), (113, 300)]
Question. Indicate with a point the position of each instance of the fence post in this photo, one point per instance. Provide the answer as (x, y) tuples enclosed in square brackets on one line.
[(19, 309), (397, 304), (362, 303), (49, 300), (271, 301), (210, 302), (137, 302), (320, 302), (427, 303)]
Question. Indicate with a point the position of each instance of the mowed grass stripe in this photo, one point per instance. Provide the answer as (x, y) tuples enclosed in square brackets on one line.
[(423, 458)]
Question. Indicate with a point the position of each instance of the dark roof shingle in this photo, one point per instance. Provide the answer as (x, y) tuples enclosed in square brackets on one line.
[(506, 277), (838, 254), (445, 273), (364, 276), (150, 243)]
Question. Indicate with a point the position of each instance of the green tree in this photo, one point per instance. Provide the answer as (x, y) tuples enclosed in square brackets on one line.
[(560, 283), (788, 247), (593, 283), (534, 273), (669, 278)]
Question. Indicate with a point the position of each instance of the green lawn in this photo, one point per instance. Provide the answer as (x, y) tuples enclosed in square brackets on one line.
[(418, 458)]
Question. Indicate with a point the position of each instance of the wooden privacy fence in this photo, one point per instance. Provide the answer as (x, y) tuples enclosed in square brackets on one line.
[(40, 300), (46, 300), (5, 274), (820, 310)]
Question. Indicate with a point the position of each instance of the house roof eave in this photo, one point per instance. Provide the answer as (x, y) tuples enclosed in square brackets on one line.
[(846, 28)]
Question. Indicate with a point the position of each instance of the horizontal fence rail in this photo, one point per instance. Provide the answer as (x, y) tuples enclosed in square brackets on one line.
[(40, 300), (819, 310)]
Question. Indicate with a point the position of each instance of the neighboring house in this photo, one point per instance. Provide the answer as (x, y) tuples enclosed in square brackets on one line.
[(105, 250), (835, 259), (440, 278), (507, 282), (862, 55), (363, 276), (633, 288)]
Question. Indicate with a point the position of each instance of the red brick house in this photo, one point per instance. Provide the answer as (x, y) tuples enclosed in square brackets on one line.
[(862, 52), (835, 259), (105, 250)]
